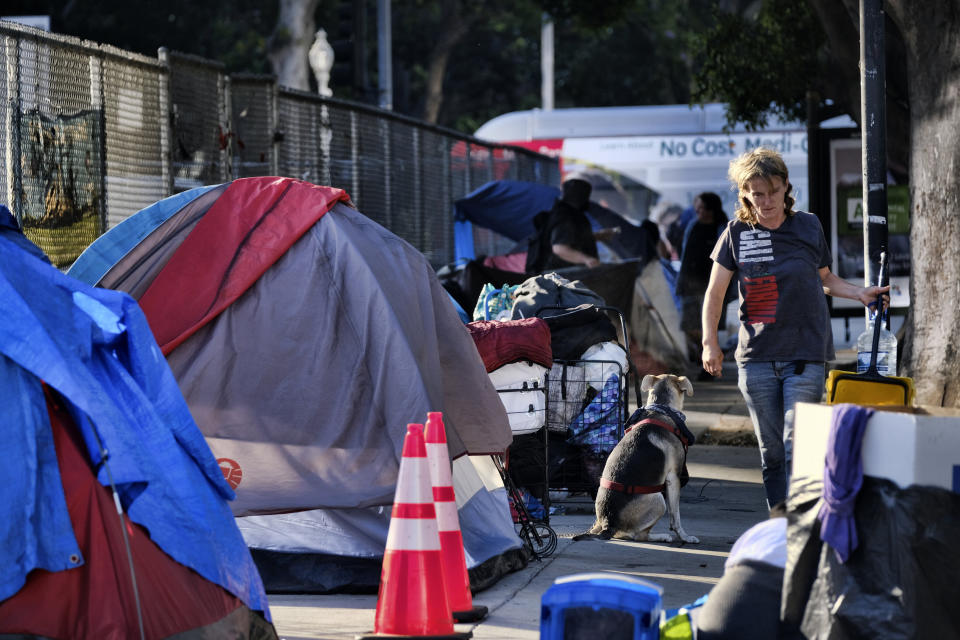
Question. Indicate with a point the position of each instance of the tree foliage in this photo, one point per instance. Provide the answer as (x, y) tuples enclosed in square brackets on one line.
[(233, 32), (761, 65), (620, 53)]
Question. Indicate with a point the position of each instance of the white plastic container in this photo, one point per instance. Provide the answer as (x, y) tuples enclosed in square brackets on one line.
[(886, 350)]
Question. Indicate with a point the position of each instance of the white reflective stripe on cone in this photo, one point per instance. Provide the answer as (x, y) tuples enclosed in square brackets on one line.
[(447, 518), (414, 534), (439, 457), (413, 482)]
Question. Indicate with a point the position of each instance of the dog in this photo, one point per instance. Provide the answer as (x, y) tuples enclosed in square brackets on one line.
[(648, 463)]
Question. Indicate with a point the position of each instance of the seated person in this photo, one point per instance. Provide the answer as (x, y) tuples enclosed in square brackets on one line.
[(745, 603), (564, 237)]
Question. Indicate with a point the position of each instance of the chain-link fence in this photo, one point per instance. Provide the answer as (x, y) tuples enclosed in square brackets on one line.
[(91, 134)]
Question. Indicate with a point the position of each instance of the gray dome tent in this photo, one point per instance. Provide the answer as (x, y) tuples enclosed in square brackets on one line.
[(305, 337)]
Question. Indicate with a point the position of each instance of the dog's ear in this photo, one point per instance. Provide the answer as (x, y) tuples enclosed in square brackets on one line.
[(685, 385), (648, 381)]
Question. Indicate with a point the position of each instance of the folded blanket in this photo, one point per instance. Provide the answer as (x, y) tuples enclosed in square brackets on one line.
[(503, 342)]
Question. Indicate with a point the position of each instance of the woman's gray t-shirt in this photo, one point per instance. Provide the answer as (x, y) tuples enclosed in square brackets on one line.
[(783, 310)]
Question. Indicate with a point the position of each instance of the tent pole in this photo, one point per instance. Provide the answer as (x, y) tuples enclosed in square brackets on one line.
[(104, 457)]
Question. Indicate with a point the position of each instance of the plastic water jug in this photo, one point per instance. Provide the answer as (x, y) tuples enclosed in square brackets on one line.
[(886, 350)]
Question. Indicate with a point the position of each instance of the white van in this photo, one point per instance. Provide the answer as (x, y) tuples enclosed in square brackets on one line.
[(677, 151)]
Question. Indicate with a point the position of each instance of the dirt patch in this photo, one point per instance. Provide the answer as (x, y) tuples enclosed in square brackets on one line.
[(730, 439)]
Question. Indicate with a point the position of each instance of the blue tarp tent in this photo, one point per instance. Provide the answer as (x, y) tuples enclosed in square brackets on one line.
[(507, 207), (94, 350)]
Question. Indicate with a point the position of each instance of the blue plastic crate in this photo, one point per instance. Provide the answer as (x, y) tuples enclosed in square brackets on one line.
[(586, 606)]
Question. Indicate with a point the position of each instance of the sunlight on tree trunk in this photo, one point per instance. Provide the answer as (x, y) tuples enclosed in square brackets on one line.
[(454, 27), (290, 42), (932, 56)]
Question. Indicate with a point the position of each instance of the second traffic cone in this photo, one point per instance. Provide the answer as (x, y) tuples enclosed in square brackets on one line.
[(455, 576), (412, 602)]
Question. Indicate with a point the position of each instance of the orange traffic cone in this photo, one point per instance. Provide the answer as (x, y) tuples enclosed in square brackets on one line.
[(412, 602), (455, 576)]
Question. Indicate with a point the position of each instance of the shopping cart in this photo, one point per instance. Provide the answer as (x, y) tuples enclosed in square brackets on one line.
[(538, 537), (587, 408)]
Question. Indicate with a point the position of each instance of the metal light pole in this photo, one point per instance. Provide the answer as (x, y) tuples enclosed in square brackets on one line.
[(873, 124), (546, 63)]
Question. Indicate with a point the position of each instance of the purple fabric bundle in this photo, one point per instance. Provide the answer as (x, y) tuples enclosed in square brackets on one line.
[(842, 478)]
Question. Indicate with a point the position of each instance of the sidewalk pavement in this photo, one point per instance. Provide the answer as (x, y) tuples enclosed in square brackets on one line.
[(723, 498), (716, 412)]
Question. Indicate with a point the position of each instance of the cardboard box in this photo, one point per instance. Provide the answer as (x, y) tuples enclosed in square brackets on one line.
[(908, 445)]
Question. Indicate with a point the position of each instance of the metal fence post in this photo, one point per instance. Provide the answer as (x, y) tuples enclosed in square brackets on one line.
[(447, 197), (354, 158), (325, 176), (97, 102), (276, 134), (384, 126), (14, 169), (166, 134), (423, 235), (226, 119)]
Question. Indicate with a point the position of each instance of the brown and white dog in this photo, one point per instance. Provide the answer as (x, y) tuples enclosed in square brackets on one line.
[(647, 463)]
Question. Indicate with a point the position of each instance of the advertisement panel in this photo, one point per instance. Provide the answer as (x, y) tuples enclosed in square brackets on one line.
[(846, 215)]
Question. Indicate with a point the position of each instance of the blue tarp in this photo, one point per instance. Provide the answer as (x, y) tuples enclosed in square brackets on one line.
[(103, 253), (94, 347), (507, 207)]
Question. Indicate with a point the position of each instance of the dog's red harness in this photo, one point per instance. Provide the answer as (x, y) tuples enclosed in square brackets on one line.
[(663, 425), (632, 489)]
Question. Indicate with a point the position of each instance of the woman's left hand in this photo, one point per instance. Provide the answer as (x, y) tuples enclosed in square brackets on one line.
[(868, 296)]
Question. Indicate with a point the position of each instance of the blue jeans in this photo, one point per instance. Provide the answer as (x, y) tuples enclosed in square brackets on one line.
[(771, 389)]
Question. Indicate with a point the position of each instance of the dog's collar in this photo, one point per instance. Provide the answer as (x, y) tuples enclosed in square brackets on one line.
[(677, 416)]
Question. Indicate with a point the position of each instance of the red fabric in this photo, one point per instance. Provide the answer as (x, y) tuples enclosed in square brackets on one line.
[(249, 227), (502, 342), (95, 600), (515, 262), (631, 489)]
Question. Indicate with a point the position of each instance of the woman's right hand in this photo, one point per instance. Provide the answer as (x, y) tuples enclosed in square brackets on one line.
[(713, 359)]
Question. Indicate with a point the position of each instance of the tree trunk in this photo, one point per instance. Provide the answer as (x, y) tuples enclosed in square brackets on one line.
[(290, 43), (452, 30), (932, 353)]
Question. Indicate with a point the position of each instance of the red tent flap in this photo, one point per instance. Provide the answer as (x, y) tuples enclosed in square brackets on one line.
[(96, 599), (245, 231)]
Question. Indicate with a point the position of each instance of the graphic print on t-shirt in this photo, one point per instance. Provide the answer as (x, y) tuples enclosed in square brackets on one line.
[(760, 286)]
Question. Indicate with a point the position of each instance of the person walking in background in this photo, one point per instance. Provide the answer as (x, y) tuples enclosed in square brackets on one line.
[(667, 216), (699, 238), (782, 264), (563, 237)]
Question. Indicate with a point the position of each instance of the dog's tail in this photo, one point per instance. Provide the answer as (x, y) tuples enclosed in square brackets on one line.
[(588, 535)]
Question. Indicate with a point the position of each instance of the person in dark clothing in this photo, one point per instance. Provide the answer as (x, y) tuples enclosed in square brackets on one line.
[(780, 260), (699, 239), (564, 237), (745, 603)]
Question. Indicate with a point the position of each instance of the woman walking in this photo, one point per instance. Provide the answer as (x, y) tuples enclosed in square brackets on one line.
[(781, 261)]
